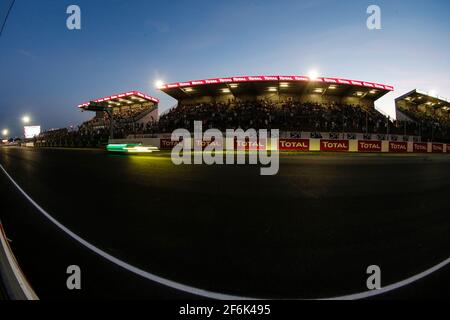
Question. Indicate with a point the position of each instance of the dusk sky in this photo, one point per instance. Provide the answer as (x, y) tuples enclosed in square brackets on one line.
[(46, 70)]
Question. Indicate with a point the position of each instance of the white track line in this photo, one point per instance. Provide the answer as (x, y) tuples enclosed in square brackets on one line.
[(197, 291), (18, 274)]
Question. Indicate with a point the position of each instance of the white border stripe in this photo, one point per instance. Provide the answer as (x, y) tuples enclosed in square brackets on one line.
[(201, 292), (20, 277), (120, 263)]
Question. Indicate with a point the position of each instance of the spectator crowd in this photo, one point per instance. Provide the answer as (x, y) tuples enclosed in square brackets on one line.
[(289, 116), (332, 118), (431, 127)]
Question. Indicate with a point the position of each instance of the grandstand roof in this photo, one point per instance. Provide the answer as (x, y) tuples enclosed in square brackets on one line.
[(295, 85), (120, 99), (421, 98)]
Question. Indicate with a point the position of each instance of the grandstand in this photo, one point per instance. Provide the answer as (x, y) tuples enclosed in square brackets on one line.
[(133, 112), (298, 105), (130, 108), (428, 115), (276, 89)]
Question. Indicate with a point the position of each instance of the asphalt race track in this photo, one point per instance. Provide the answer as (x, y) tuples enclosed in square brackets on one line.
[(309, 232)]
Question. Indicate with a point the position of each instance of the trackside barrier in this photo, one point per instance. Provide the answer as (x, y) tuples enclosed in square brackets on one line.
[(305, 145), (12, 279)]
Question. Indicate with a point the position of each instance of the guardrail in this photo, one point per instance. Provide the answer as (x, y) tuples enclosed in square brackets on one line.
[(13, 281)]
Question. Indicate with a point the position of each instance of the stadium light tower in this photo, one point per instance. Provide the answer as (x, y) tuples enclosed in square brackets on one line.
[(159, 84), (313, 74), (5, 132), (26, 119)]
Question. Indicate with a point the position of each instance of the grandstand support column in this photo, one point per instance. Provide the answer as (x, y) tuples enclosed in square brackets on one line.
[(420, 130), (387, 126), (367, 121), (278, 94), (111, 123)]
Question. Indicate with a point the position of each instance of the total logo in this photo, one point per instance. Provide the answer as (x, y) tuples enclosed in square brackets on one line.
[(369, 146), (294, 144), (398, 147), (420, 147), (287, 144), (250, 145), (335, 145), (204, 143), (438, 148), (329, 145)]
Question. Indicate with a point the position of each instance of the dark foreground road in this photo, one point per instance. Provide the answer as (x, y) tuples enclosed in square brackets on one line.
[(309, 232)]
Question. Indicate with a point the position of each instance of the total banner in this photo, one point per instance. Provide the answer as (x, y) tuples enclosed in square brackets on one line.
[(334, 145), (294, 145), (259, 145), (369, 146), (420, 147), (167, 144), (398, 147), (437, 147), (219, 144)]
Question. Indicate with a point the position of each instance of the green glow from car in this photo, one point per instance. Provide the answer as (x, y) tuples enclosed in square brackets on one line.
[(130, 148), (121, 147)]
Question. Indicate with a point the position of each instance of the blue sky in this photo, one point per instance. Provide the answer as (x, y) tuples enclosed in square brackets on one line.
[(46, 69)]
